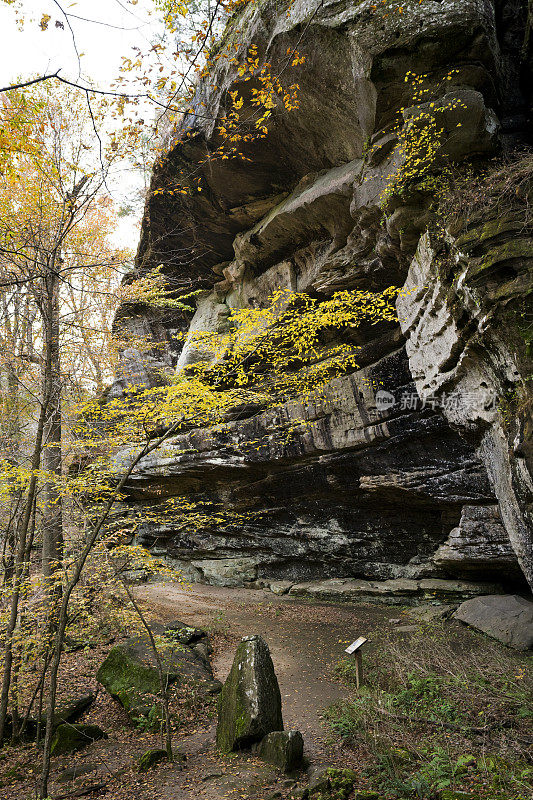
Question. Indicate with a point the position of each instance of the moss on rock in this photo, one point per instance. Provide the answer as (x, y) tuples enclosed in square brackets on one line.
[(130, 675), (151, 758), (129, 681), (335, 784), (250, 701), (516, 248), (69, 738), (283, 749)]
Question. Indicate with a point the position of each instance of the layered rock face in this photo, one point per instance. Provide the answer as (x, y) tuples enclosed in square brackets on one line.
[(409, 467)]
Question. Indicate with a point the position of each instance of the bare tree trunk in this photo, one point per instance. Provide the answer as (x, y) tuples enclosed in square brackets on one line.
[(16, 721), (37, 693), (52, 529), (13, 438), (20, 554), (22, 540)]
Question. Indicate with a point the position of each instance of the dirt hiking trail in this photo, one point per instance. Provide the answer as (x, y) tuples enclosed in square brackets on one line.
[(305, 638)]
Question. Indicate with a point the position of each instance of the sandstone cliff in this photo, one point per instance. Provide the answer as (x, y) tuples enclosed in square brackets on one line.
[(432, 478)]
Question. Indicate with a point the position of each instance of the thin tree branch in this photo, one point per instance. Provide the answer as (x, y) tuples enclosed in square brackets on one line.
[(29, 83)]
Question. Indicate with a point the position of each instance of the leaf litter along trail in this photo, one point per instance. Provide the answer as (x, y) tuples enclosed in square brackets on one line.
[(306, 639)]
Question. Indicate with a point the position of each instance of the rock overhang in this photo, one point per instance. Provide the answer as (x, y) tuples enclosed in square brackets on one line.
[(306, 213)]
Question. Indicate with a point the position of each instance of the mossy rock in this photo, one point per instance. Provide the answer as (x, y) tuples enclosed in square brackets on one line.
[(333, 784), (250, 701), (73, 709), (283, 749), (69, 738), (185, 634), (70, 711), (516, 248), (130, 675), (151, 758), (489, 229), (342, 783), (129, 681)]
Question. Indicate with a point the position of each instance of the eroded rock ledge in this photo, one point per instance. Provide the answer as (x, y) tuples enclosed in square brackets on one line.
[(341, 487)]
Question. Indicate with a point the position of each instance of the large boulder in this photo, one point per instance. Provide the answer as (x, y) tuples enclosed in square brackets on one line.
[(185, 634), (250, 702), (130, 674), (74, 708), (151, 758), (508, 618), (71, 737)]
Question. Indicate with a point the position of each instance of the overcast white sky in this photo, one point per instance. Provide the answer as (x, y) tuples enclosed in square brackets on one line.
[(31, 52)]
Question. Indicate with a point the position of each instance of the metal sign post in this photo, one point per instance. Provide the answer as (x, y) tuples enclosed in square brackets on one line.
[(355, 649)]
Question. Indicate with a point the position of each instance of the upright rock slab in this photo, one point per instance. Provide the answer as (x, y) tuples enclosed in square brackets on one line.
[(250, 702)]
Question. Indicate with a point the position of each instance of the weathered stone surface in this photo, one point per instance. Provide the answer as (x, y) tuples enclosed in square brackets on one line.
[(130, 680), (210, 316), (280, 587), (74, 736), (67, 712), (228, 571), (250, 702), (130, 675), (185, 634), (449, 590), (472, 364), (391, 485), (426, 612), (283, 749), (347, 590), (370, 51), (479, 544), (356, 491), (469, 126), (72, 710), (508, 618)]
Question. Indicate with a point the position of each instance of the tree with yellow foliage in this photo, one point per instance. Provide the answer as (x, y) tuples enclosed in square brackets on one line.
[(51, 237), (60, 273)]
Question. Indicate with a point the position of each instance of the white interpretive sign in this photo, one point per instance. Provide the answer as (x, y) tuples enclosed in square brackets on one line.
[(355, 650), (355, 645)]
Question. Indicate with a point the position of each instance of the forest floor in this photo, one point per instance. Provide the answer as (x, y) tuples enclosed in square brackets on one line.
[(374, 733)]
